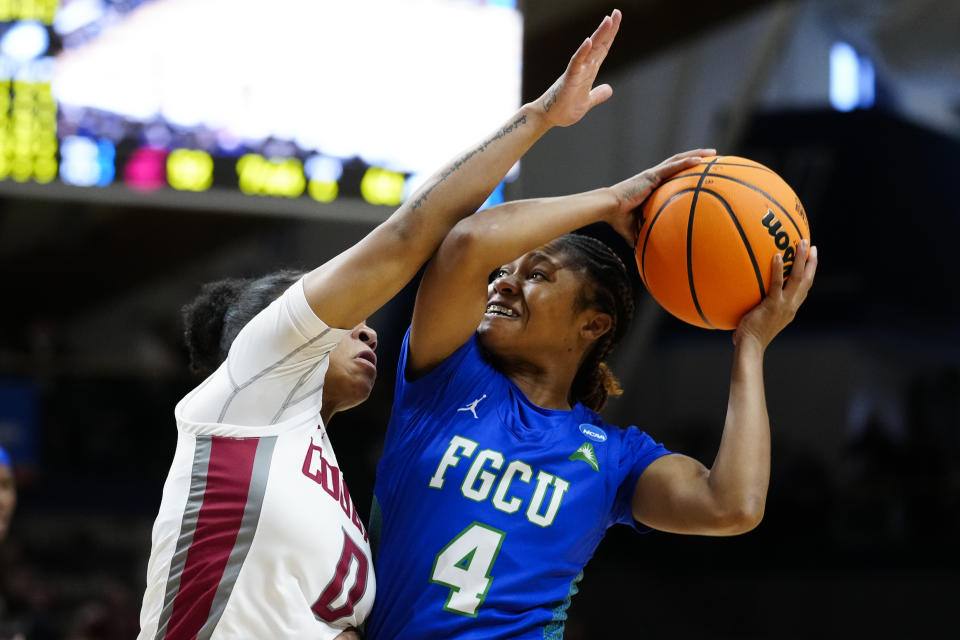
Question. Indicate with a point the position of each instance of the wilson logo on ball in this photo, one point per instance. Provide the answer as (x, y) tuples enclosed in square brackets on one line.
[(781, 238)]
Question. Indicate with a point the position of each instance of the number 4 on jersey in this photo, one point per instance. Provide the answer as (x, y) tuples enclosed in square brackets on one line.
[(464, 566)]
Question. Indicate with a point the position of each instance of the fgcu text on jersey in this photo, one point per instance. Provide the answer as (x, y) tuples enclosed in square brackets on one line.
[(479, 481)]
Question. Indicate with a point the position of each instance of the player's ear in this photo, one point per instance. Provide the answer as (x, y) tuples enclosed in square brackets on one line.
[(596, 324)]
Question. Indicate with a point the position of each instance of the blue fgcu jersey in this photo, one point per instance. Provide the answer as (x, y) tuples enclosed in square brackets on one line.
[(487, 507)]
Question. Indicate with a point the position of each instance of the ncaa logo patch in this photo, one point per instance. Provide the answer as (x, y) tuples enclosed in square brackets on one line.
[(593, 432)]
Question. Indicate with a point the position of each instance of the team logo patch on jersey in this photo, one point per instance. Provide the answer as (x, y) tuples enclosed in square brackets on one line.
[(593, 432), (587, 454), (472, 406)]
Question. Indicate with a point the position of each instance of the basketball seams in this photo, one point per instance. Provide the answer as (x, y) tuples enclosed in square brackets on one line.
[(771, 199), (746, 242), (764, 194), (643, 250), (693, 210), (693, 172)]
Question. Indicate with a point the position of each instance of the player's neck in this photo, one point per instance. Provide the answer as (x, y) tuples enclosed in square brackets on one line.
[(545, 380), (545, 387)]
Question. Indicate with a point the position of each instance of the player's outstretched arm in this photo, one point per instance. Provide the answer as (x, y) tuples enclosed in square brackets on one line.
[(677, 493), (453, 294), (354, 284)]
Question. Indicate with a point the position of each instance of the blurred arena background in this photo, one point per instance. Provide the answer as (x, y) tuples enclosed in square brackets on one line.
[(149, 146)]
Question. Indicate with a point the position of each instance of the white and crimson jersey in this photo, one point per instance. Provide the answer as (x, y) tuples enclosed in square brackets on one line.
[(257, 536)]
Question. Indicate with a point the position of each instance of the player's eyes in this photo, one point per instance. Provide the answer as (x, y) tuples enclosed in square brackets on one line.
[(498, 273)]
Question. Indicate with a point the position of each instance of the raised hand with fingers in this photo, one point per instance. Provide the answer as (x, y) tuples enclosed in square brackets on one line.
[(631, 192), (778, 308), (573, 94)]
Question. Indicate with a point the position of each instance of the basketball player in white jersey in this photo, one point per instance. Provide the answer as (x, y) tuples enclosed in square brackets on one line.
[(257, 535)]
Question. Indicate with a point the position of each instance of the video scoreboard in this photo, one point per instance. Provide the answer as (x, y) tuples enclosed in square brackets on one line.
[(316, 100)]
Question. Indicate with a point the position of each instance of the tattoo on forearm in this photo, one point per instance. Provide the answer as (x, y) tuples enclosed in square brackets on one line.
[(422, 198), (551, 97), (648, 183)]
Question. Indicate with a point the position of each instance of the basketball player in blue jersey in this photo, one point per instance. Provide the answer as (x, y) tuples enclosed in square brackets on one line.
[(498, 478), (257, 536)]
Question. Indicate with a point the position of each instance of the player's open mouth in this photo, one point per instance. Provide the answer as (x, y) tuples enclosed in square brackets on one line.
[(500, 310), (369, 356)]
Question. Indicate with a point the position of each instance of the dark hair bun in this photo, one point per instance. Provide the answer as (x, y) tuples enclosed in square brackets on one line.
[(203, 322)]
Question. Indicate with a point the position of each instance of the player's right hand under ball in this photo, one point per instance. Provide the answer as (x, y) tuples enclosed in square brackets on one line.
[(778, 308)]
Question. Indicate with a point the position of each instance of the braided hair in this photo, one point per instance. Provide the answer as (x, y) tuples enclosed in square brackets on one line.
[(213, 319), (608, 290)]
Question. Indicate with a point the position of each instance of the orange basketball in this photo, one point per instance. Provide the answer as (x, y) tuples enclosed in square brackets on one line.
[(708, 235)]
